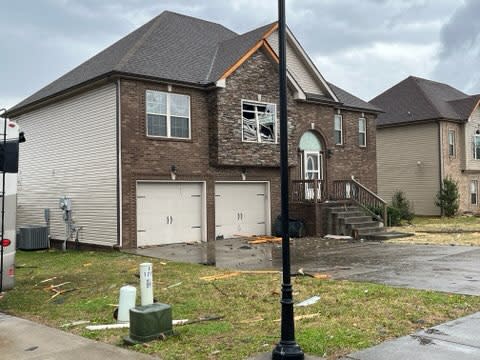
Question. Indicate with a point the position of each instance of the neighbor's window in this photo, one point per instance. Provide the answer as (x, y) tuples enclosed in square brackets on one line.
[(362, 132), (338, 130), (168, 115), (473, 192), (259, 122), (476, 146), (451, 143)]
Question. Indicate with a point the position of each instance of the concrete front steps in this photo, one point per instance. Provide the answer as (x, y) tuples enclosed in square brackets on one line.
[(351, 220)]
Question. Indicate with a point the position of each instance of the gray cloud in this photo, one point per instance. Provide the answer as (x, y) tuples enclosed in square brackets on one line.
[(346, 38), (459, 56)]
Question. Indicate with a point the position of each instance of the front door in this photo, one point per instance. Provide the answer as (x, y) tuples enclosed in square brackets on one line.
[(312, 170)]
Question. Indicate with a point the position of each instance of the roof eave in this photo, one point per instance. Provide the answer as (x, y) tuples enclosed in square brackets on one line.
[(99, 80), (422, 121)]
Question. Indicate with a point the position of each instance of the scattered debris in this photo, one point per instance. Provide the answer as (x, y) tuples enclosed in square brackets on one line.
[(46, 280), (301, 317), (310, 301), (301, 272), (434, 331), (32, 348), (220, 276), (107, 326), (163, 263), (219, 290), (259, 272), (75, 323), (60, 292), (249, 321), (423, 340), (245, 247), (25, 266), (173, 285), (193, 321), (337, 237), (264, 240), (87, 264)]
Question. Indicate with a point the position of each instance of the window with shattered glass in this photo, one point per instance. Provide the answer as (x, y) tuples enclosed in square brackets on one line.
[(259, 122)]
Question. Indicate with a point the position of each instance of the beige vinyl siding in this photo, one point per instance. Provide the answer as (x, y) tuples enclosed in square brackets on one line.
[(71, 150), (471, 127), (408, 160), (297, 67)]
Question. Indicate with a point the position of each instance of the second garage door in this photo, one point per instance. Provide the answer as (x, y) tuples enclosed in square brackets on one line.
[(241, 209), (169, 213)]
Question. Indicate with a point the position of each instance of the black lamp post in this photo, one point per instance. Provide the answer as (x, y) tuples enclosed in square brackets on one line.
[(287, 348)]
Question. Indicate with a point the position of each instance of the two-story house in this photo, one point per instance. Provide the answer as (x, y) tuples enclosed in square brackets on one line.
[(171, 135), (429, 131)]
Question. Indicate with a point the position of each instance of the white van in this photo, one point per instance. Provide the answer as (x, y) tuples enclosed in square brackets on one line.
[(9, 237)]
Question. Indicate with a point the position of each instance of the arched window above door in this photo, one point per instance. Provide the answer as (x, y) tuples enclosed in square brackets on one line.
[(310, 142)]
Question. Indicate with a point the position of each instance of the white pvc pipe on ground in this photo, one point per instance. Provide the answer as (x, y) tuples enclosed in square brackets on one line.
[(146, 284), (128, 295)]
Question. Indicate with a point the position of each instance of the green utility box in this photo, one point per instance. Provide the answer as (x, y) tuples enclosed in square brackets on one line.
[(149, 322)]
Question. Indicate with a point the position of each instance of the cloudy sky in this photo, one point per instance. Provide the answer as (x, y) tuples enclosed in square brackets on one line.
[(363, 46)]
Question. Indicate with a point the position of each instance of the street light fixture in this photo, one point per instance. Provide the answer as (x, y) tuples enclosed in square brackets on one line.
[(287, 348)]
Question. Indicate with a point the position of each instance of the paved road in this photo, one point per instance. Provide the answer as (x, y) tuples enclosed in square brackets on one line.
[(443, 268)]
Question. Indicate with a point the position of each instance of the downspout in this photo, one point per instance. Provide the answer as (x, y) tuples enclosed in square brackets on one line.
[(119, 165), (440, 158)]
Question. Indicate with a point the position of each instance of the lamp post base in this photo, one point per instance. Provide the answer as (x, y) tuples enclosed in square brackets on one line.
[(288, 350)]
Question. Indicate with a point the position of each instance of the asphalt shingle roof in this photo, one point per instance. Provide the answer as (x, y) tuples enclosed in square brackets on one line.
[(352, 101), (416, 99), (171, 47)]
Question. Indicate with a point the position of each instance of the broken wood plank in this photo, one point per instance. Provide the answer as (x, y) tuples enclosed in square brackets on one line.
[(60, 292)]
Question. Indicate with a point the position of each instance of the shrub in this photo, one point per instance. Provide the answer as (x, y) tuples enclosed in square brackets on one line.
[(393, 214), (400, 202), (448, 197)]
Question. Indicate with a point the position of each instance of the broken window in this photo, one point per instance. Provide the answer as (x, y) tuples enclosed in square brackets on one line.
[(168, 115), (259, 122)]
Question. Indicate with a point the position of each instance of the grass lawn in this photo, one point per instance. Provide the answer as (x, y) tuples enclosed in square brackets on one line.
[(459, 230), (348, 317)]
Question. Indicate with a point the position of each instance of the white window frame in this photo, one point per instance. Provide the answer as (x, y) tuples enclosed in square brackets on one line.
[(259, 138), (335, 130), (168, 115), (475, 146), (474, 186), (452, 143), (364, 132)]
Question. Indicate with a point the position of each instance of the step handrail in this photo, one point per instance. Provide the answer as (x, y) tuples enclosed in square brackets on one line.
[(361, 195)]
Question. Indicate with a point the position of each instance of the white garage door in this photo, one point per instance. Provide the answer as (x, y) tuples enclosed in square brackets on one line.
[(241, 209), (169, 213)]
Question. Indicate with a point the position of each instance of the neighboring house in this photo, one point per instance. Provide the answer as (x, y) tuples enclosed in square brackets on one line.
[(429, 131), (171, 135)]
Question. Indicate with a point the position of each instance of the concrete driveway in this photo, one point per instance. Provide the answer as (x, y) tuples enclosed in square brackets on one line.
[(443, 268)]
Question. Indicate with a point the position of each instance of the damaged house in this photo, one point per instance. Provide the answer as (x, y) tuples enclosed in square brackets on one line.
[(171, 135)]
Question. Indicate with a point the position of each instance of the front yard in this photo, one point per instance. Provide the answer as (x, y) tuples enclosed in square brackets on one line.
[(349, 315), (459, 230)]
